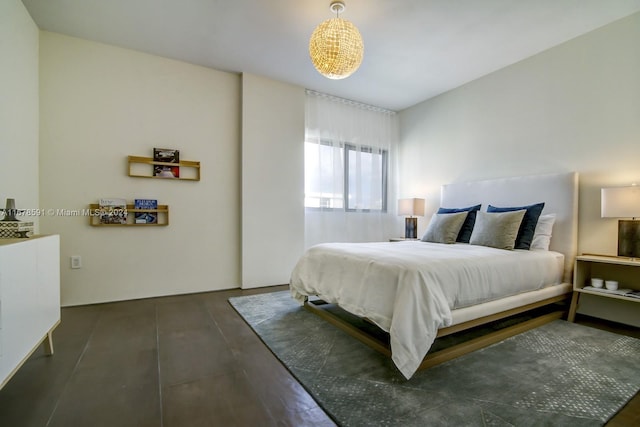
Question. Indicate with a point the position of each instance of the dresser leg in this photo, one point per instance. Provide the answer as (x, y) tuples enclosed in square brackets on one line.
[(48, 343)]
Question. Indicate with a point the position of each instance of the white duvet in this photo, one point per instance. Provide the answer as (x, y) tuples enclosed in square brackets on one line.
[(409, 288)]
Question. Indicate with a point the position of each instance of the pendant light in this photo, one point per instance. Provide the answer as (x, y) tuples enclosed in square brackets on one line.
[(336, 46)]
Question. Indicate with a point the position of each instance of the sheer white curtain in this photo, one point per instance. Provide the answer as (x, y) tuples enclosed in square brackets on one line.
[(350, 184)]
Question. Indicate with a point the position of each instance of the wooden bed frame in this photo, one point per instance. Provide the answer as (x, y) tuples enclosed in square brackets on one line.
[(561, 200), (457, 350)]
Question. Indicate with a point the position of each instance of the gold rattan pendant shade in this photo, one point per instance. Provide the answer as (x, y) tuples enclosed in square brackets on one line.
[(336, 47)]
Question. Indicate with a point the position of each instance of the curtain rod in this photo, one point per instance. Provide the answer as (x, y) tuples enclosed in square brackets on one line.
[(350, 102)]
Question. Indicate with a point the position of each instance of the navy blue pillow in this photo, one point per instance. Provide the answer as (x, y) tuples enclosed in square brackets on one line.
[(528, 225), (467, 226)]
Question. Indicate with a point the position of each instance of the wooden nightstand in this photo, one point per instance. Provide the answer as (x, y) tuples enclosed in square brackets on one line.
[(625, 270), (402, 239)]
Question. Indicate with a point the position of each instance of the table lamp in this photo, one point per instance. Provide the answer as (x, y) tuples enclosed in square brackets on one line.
[(624, 202), (411, 207)]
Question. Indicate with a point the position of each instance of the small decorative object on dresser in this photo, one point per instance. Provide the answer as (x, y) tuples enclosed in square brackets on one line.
[(16, 229), (10, 210), (10, 226)]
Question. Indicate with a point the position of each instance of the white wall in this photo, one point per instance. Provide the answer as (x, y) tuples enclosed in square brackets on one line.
[(575, 107), (272, 180), (98, 105), (18, 106)]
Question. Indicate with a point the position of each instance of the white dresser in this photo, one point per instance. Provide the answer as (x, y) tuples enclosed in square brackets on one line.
[(29, 299)]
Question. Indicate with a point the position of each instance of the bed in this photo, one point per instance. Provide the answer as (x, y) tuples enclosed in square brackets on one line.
[(417, 291)]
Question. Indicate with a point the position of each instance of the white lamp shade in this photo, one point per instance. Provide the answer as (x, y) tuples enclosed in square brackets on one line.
[(620, 202), (411, 207)]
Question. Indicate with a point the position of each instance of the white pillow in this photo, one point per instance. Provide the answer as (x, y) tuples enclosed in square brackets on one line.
[(542, 235)]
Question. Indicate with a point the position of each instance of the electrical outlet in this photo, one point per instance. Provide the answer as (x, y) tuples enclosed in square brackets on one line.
[(76, 261)]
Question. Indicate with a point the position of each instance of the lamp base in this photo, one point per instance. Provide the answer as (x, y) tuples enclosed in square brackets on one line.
[(411, 228), (629, 238)]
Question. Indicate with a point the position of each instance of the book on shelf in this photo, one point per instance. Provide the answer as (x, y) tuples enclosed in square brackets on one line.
[(113, 211), (622, 291), (145, 217), (166, 155), (633, 294)]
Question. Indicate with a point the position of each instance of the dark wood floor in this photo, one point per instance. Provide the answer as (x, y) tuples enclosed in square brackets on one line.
[(174, 361)]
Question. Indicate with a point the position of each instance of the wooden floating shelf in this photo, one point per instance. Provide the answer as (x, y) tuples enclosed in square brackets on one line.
[(162, 216), (192, 166)]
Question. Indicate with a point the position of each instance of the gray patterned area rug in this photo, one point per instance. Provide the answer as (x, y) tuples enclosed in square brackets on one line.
[(560, 374)]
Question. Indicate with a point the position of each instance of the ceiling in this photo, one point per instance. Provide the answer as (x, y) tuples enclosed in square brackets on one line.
[(414, 49)]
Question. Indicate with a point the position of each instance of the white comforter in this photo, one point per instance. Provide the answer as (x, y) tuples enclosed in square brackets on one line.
[(409, 288)]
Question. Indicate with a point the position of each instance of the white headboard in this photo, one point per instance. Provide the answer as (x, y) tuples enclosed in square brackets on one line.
[(558, 191)]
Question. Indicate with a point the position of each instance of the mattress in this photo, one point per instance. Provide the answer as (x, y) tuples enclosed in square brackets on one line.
[(411, 288)]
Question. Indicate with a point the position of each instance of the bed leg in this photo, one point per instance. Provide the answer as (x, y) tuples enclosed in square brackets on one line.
[(574, 307)]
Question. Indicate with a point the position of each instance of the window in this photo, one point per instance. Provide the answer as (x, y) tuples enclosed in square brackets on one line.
[(323, 175), (333, 171)]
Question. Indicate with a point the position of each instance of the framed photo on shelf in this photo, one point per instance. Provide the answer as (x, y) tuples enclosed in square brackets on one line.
[(145, 217), (166, 155), (113, 211)]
